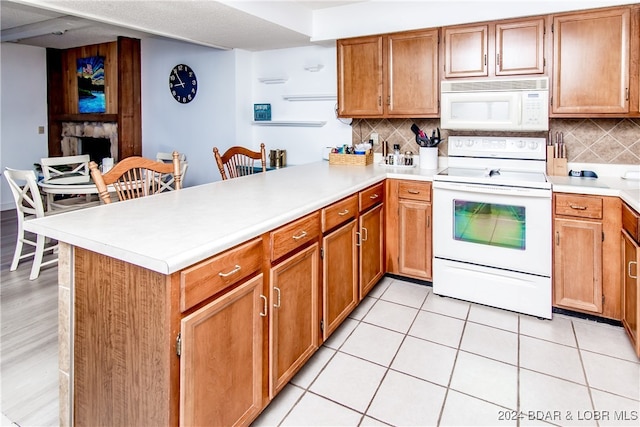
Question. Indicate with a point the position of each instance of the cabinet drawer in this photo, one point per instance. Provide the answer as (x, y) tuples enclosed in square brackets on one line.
[(339, 212), (631, 222), (199, 282), (414, 190), (371, 196), (289, 237), (579, 206)]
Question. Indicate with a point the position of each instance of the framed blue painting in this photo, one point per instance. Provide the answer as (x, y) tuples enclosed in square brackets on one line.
[(90, 72)]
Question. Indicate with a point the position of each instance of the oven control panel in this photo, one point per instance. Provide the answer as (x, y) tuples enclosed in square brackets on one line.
[(498, 147)]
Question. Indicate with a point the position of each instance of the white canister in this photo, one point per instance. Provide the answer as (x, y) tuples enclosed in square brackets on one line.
[(428, 157), (107, 164)]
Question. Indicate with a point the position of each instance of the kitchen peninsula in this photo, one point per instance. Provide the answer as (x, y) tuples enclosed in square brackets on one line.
[(129, 265)]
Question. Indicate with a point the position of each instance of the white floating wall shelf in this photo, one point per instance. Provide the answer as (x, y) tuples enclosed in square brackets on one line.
[(289, 123), (314, 68), (310, 97), (273, 80)]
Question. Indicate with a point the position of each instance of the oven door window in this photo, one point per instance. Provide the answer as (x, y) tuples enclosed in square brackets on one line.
[(490, 224)]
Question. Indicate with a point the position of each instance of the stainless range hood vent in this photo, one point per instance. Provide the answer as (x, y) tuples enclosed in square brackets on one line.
[(541, 83)]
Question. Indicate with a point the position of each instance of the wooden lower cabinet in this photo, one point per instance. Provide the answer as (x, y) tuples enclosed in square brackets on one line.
[(631, 290), (586, 254), (223, 367), (293, 315), (339, 276), (371, 249), (578, 264)]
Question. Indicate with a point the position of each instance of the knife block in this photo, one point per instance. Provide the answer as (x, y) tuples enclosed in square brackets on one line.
[(555, 165)]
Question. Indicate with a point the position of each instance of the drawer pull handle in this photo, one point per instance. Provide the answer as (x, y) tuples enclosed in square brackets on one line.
[(358, 238), (365, 234), (413, 192), (277, 304), (263, 313), (300, 236), (344, 212), (629, 269), (234, 271), (578, 207), (374, 196)]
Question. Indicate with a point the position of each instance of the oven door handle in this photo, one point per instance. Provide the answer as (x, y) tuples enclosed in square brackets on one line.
[(493, 189)]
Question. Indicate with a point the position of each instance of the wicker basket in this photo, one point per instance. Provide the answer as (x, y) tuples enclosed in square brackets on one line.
[(351, 159)]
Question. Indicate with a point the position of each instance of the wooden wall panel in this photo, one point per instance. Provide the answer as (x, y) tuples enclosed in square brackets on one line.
[(123, 355)]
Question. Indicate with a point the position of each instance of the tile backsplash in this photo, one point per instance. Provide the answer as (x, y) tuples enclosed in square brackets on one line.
[(597, 140)]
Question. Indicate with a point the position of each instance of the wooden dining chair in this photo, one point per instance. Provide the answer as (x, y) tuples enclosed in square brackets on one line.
[(135, 177), (239, 161), (29, 205), (57, 167)]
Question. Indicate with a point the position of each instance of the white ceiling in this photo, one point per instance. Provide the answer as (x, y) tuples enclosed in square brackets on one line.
[(252, 25), (65, 24)]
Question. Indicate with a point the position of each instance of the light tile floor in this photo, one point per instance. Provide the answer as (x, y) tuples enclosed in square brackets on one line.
[(407, 357)]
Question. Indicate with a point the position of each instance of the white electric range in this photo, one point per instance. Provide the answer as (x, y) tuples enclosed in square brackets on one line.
[(492, 224)]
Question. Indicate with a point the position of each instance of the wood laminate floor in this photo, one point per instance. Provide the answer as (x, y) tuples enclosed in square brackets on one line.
[(28, 337)]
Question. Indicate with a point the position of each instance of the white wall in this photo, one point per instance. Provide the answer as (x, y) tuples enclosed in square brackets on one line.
[(192, 128), (23, 108), (303, 144)]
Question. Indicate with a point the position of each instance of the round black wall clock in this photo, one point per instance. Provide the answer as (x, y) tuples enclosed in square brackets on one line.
[(183, 83)]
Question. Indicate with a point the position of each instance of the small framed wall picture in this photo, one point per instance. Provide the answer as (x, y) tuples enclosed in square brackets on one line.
[(261, 112), (183, 83)]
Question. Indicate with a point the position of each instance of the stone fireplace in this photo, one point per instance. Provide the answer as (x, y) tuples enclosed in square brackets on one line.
[(98, 139)]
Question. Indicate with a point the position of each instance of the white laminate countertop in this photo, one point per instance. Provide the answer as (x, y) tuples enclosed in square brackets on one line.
[(170, 231)]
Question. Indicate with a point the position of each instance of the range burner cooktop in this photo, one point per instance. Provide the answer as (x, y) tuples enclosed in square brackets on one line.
[(505, 161)]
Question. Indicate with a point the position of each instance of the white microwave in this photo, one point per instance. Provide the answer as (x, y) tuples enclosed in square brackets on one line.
[(498, 105)]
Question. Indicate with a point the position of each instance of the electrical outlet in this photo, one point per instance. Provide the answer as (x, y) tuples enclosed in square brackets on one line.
[(374, 137), (40, 130)]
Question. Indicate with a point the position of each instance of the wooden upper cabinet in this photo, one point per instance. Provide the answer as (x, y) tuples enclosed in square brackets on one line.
[(411, 70), (505, 48), (466, 50), (360, 76), (394, 75), (591, 62), (520, 47)]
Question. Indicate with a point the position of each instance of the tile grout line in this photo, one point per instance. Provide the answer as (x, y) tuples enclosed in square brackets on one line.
[(453, 368), (584, 370)]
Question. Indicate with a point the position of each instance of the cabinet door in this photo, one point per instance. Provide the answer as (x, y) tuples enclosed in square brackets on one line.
[(577, 265), (340, 276), (371, 249), (631, 285), (412, 74), (520, 47), (294, 320), (465, 52), (591, 62), (221, 360), (415, 239), (360, 77)]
